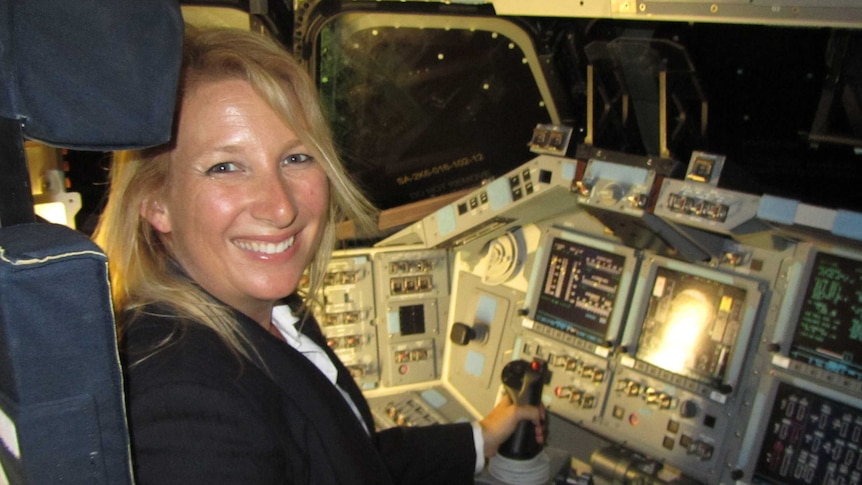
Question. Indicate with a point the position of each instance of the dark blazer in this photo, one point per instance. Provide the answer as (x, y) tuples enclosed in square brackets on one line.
[(201, 414)]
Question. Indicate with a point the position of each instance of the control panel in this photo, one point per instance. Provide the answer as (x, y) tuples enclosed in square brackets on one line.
[(711, 208), (412, 290), (348, 317), (521, 196), (579, 378), (383, 313), (688, 333), (810, 436), (416, 408)]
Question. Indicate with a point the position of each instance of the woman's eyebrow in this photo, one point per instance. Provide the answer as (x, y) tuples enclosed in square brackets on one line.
[(293, 144)]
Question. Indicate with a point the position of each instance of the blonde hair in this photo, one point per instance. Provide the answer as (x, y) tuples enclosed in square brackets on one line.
[(140, 264)]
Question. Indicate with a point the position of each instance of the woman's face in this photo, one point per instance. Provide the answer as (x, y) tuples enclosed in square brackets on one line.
[(245, 204)]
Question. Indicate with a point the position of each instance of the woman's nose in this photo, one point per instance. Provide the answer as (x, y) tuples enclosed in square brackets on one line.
[(274, 201)]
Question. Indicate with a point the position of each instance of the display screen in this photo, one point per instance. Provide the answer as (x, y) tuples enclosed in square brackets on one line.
[(810, 439), (691, 326), (829, 330), (579, 290)]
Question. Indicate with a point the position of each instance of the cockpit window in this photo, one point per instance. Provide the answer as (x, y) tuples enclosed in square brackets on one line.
[(424, 105)]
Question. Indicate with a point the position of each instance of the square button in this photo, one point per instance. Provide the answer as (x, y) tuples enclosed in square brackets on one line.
[(709, 421), (668, 442)]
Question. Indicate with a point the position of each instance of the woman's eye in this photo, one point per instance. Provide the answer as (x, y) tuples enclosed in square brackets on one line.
[(297, 158), (224, 167)]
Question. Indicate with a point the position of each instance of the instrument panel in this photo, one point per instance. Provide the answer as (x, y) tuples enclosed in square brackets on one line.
[(722, 352)]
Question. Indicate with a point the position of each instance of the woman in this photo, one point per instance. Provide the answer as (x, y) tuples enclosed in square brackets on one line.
[(208, 238)]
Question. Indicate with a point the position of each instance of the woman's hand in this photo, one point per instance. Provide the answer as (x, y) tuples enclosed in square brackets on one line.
[(501, 422)]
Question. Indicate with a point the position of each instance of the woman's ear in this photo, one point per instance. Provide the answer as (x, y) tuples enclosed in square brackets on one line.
[(156, 213)]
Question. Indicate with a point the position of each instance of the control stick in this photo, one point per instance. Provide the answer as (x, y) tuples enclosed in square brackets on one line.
[(523, 382)]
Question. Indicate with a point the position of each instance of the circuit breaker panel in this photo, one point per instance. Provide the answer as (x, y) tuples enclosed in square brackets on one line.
[(348, 317)]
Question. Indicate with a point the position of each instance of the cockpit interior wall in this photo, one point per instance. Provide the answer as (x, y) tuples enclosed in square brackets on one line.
[(686, 262)]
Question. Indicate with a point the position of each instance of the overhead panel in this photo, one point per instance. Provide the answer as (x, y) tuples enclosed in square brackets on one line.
[(837, 13)]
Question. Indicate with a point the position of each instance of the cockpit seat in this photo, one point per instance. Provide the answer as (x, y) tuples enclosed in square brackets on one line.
[(61, 408), (96, 75)]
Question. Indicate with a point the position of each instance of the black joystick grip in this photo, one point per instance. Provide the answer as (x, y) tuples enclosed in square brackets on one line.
[(523, 382)]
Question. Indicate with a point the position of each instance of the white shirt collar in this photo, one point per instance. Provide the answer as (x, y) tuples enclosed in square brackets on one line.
[(283, 319)]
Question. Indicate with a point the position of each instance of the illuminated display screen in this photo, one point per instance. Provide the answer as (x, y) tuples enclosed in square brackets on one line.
[(579, 288), (829, 331), (809, 440), (691, 325)]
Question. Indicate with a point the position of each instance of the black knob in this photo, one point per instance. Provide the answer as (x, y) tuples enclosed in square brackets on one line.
[(462, 334)]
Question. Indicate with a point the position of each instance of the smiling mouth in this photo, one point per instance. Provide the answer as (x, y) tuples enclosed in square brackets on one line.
[(266, 248)]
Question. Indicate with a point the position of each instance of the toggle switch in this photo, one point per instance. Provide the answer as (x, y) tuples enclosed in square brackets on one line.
[(462, 334)]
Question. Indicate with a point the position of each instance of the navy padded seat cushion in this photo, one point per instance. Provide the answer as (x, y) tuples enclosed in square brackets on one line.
[(90, 74), (60, 376)]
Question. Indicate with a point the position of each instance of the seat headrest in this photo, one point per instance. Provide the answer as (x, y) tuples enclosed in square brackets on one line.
[(90, 75)]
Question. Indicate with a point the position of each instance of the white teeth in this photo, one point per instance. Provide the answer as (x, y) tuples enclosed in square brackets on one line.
[(266, 248)]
